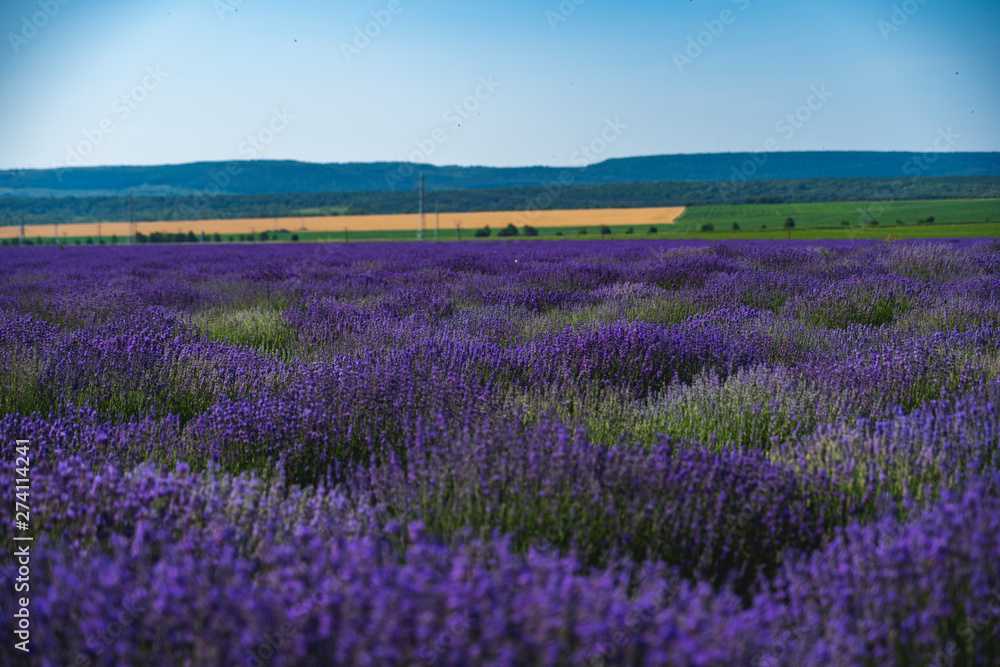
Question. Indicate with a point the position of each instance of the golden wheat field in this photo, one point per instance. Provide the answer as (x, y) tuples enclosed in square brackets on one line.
[(369, 223)]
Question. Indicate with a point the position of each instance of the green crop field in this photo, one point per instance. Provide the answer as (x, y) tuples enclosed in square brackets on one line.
[(751, 217)]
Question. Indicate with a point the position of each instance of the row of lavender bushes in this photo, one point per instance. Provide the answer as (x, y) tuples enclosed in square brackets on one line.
[(640, 452)]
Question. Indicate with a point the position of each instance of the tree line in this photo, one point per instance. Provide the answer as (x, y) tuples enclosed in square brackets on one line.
[(63, 210)]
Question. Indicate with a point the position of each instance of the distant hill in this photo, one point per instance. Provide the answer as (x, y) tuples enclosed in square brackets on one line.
[(279, 177), (48, 210)]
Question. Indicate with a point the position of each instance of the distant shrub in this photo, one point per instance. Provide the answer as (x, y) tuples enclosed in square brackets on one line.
[(706, 227), (605, 230), (90, 241), (509, 230), (763, 227), (114, 239), (763, 200), (652, 230), (582, 231), (845, 223), (559, 233), (629, 230), (295, 237), (217, 237), (873, 222), (736, 226), (191, 238), (930, 218), (789, 223), (482, 232), (264, 236), (530, 231)]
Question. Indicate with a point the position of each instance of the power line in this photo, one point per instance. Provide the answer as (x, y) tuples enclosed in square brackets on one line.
[(420, 219)]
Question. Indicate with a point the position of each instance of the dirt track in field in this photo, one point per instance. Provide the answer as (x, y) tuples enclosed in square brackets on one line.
[(369, 223)]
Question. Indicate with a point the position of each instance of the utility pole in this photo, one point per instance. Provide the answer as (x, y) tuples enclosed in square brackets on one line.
[(98, 233), (437, 219), (420, 218), (21, 242), (345, 235), (131, 225), (458, 227), (56, 233)]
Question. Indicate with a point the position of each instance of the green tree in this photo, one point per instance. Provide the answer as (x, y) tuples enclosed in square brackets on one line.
[(482, 232), (509, 230)]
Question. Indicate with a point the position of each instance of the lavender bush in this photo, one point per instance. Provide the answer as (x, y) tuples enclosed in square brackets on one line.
[(581, 453)]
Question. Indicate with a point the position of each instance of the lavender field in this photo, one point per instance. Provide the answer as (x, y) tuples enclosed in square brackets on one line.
[(588, 453)]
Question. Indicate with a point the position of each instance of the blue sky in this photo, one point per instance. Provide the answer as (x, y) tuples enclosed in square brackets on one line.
[(158, 81)]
